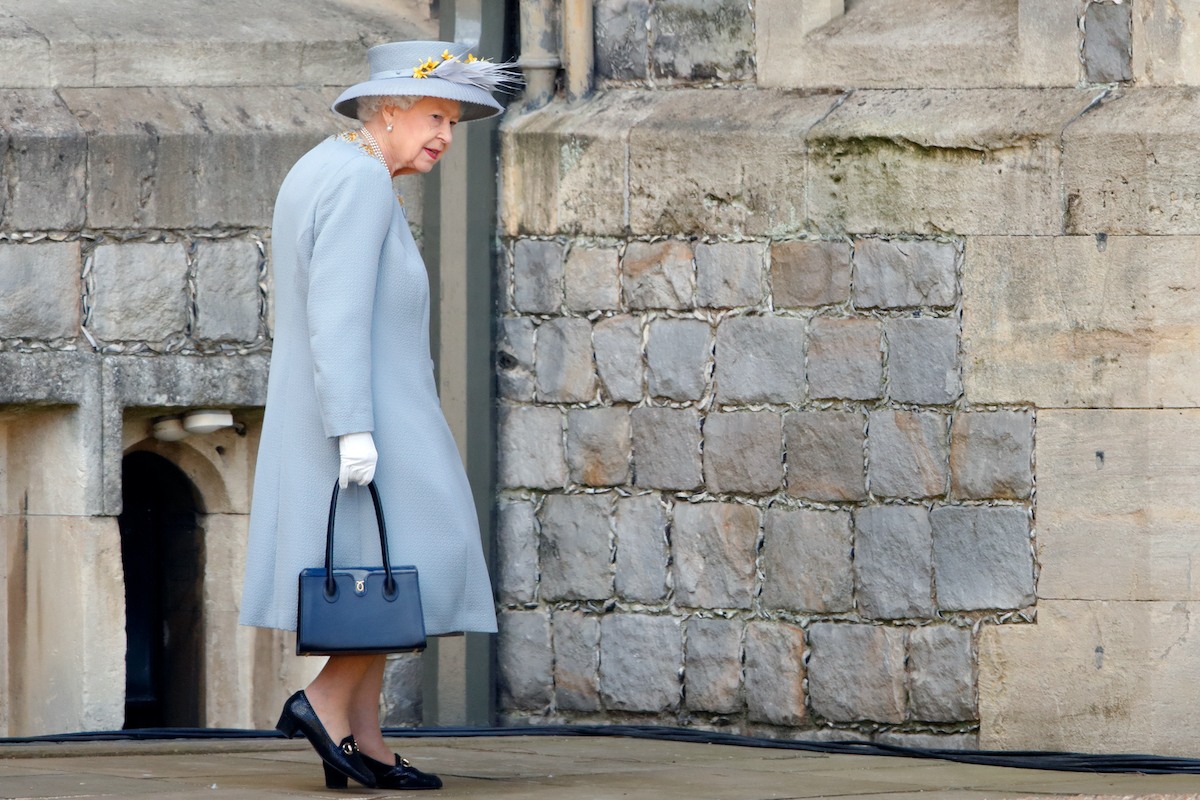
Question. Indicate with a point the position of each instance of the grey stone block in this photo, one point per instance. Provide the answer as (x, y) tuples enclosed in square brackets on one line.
[(641, 529), (598, 445), (897, 274), (622, 52), (666, 448), (39, 290), (538, 276), (1108, 42), (592, 279), (825, 455), (566, 370), (701, 39), (856, 672), (806, 561), (760, 360), (618, 343), (401, 701), (810, 273), (677, 355), (743, 452), (516, 551), (514, 359), (576, 547), (713, 665), (982, 557), (729, 275), (219, 382), (713, 548), (47, 155), (775, 673), (530, 448), (140, 291), (576, 661), (53, 378), (991, 455), (227, 301), (941, 674), (923, 360), (892, 561), (640, 657), (845, 359), (908, 453), (933, 741), (524, 660), (658, 275)]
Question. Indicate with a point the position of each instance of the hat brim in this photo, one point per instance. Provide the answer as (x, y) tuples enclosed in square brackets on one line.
[(475, 102)]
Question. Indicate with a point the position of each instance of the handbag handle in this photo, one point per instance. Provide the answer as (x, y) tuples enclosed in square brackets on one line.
[(389, 583)]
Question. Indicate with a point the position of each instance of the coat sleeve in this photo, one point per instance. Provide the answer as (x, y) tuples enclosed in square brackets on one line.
[(352, 220)]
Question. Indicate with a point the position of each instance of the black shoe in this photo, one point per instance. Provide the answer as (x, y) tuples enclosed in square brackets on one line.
[(402, 775), (298, 717)]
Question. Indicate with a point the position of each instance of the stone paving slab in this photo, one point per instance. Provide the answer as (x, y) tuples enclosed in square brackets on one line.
[(543, 768)]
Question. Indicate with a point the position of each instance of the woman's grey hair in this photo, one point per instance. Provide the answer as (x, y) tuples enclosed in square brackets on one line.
[(371, 105)]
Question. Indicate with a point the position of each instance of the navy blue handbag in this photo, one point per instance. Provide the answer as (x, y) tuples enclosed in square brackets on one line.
[(355, 610)]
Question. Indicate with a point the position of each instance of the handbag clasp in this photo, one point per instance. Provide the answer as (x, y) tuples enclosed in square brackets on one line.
[(358, 587)]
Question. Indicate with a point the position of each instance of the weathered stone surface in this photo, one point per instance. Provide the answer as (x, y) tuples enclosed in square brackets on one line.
[(658, 274), (933, 741), (640, 656), (538, 276), (760, 360), (516, 551), (677, 357), (641, 528), (713, 554), (47, 154), (892, 561), (701, 40), (845, 359), (743, 452), (898, 273), (713, 665), (991, 455), (618, 343), (923, 360), (530, 448), (810, 273), (941, 673), (1108, 42), (856, 672), (576, 547), (566, 370), (524, 659), (908, 453), (39, 290), (140, 291), (1074, 321), (775, 673), (806, 561), (514, 359), (729, 275), (825, 455), (401, 699), (598, 444), (1161, 55), (592, 279), (187, 381), (930, 161), (982, 557), (666, 448), (576, 661), (622, 51), (227, 300)]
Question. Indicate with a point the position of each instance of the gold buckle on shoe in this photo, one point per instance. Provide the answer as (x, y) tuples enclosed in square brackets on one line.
[(348, 748)]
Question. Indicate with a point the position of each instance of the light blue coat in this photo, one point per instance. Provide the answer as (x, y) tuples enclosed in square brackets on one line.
[(351, 353)]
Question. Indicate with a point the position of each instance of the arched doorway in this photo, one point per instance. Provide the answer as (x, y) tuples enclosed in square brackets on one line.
[(162, 551)]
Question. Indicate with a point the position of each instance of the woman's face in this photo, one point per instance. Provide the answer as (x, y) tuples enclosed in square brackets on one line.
[(420, 135)]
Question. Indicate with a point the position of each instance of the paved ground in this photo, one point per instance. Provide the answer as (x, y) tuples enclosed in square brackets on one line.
[(539, 768)]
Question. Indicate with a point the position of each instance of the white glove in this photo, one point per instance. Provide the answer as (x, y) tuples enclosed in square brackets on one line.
[(358, 459)]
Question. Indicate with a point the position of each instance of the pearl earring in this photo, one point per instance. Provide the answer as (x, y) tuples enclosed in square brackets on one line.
[(389, 127)]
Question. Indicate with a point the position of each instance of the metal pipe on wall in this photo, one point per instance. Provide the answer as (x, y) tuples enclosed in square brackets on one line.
[(539, 51), (577, 47)]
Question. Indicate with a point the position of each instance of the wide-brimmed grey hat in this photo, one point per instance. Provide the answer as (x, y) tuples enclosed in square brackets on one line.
[(430, 69)]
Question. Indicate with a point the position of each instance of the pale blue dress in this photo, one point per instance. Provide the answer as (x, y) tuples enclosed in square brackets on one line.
[(351, 354)]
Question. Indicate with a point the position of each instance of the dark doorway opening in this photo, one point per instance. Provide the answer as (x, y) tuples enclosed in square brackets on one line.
[(162, 552)]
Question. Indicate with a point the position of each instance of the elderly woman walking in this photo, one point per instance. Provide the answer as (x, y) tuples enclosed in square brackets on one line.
[(351, 395)]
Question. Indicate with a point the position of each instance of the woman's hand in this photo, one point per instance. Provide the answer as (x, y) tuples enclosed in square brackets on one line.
[(358, 459)]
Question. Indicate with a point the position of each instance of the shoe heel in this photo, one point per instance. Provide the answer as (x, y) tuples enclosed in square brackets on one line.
[(287, 725), (333, 778)]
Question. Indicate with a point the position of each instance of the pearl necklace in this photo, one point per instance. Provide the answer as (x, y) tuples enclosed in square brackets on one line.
[(374, 146)]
